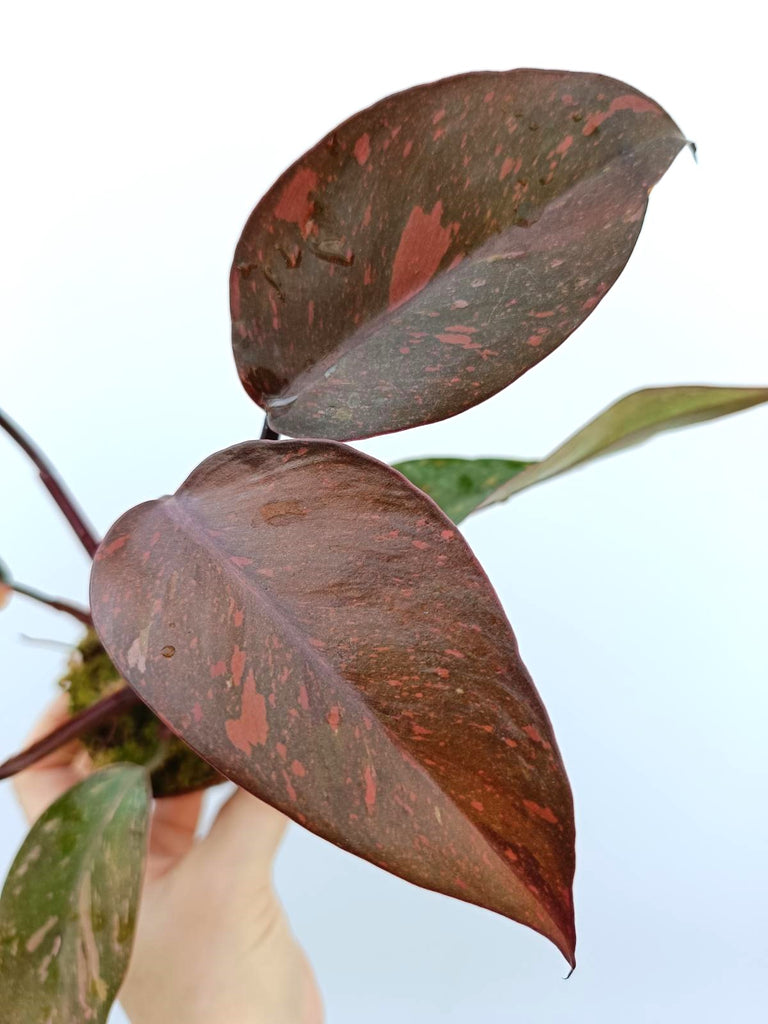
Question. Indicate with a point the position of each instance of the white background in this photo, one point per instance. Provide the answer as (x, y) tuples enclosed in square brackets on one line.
[(136, 138)]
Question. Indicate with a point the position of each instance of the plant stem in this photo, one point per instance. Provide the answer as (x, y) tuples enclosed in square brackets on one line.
[(160, 755), (81, 614), (113, 704), (54, 484), (267, 433)]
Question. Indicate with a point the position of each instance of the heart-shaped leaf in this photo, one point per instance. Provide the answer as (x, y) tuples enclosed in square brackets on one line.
[(436, 246), (461, 486), (68, 908), (315, 628)]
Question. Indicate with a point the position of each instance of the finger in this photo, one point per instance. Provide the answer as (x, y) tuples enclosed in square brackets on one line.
[(174, 822), (39, 785), (246, 830)]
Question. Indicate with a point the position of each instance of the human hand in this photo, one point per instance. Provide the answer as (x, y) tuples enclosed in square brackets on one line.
[(213, 945)]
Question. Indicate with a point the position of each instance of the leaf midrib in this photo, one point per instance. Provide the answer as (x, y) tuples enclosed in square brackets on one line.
[(182, 517)]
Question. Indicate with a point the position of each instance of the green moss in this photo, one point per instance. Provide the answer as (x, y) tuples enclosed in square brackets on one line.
[(136, 736)]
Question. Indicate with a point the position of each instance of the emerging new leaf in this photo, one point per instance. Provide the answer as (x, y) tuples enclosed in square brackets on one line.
[(315, 628), (68, 908), (436, 246), (461, 486)]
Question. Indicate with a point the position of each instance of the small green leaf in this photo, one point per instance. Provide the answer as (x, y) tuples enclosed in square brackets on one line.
[(458, 486), (68, 908), (462, 486)]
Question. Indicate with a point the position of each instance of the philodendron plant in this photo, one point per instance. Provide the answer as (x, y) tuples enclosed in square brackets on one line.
[(308, 622)]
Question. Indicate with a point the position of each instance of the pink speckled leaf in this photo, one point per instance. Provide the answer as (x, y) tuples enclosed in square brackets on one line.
[(436, 246), (317, 629)]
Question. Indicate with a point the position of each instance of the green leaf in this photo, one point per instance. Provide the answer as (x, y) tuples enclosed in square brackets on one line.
[(462, 486), (458, 486), (68, 908)]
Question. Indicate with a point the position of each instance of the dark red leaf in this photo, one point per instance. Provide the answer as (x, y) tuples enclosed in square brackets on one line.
[(436, 246), (317, 629)]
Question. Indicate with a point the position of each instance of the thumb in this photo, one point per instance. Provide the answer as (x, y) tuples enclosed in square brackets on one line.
[(246, 832)]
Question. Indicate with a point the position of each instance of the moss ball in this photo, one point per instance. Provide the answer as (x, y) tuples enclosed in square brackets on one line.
[(136, 735)]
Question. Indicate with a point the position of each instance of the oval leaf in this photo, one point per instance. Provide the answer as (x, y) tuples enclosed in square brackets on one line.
[(436, 246), (462, 486), (315, 627), (68, 908)]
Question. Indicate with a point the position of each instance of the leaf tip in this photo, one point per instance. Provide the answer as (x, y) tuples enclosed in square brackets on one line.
[(566, 943)]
